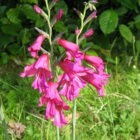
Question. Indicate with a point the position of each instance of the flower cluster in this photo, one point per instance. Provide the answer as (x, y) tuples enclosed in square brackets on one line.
[(71, 81)]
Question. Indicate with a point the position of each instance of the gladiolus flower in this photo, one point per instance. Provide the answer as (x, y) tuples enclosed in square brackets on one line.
[(97, 80), (70, 81), (36, 46), (41, 71), (69, 46), (73, 50), (55, 104), (37, 9), (95, 61), (70, 88)]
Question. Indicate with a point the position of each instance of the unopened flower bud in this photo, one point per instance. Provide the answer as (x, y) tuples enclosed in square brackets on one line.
[(37, 9), (85, 3), (41, 12), (93, 2), (90, 17), (42, 32), (77, 31), (57, 38), (79, 13), (86, 34), (92, 7), (57, 17), (52, 3)]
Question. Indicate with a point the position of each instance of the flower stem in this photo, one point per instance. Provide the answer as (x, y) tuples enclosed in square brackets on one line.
[(74, 119), (57, 133), (51, 57), (74, 100), (3, 121)]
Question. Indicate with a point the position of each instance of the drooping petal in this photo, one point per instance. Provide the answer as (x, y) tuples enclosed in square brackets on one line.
[(59, 119), (50, 111), (29, 71), (69, 46), (95, 61)]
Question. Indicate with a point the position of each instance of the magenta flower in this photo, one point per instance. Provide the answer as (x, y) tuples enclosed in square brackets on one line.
[(41, 71), (95, 61), (71, 81), (69, 46), (70, 88), (88, 33), (72, 50), (36, 46), (59, 14), (56, 0), (55, 104), (97, 80), (37, 9)]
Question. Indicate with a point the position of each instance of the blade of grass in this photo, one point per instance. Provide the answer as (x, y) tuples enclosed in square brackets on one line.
[(3, 120)]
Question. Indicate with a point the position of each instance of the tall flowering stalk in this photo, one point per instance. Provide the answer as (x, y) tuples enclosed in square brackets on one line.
[(74, 76)]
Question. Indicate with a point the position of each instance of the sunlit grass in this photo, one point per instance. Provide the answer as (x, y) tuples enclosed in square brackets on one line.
[(116, 116)]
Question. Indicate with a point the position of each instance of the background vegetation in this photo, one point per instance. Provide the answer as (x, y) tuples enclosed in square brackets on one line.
[(116, 116)]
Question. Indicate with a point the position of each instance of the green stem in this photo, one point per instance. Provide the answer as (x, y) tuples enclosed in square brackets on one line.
[(74, 119), (57, 133), (3, 121), (74, 100), (51, 57)]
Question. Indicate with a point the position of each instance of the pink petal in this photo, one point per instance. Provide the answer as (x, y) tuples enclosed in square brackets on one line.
[(69, 46), (97, 62), (28, 71), (36, 46), (59, 119)]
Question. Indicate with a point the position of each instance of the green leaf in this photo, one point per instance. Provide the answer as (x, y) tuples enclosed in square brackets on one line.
[(2, 11), (108, 21), (29, 11), (137, 21), (131, 4), (92, 45), (15, 49), (11, 28), (4, 58), (106, 52), (126, 32), (40, 22), (5, 21), (121, 11), (61, 5), (5, 39), (91, 53), (12, 14), (59, 26), (30, 1)]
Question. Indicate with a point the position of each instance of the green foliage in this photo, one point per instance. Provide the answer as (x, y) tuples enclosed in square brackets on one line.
[(126, 32), (108, 21), (12, 14)]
